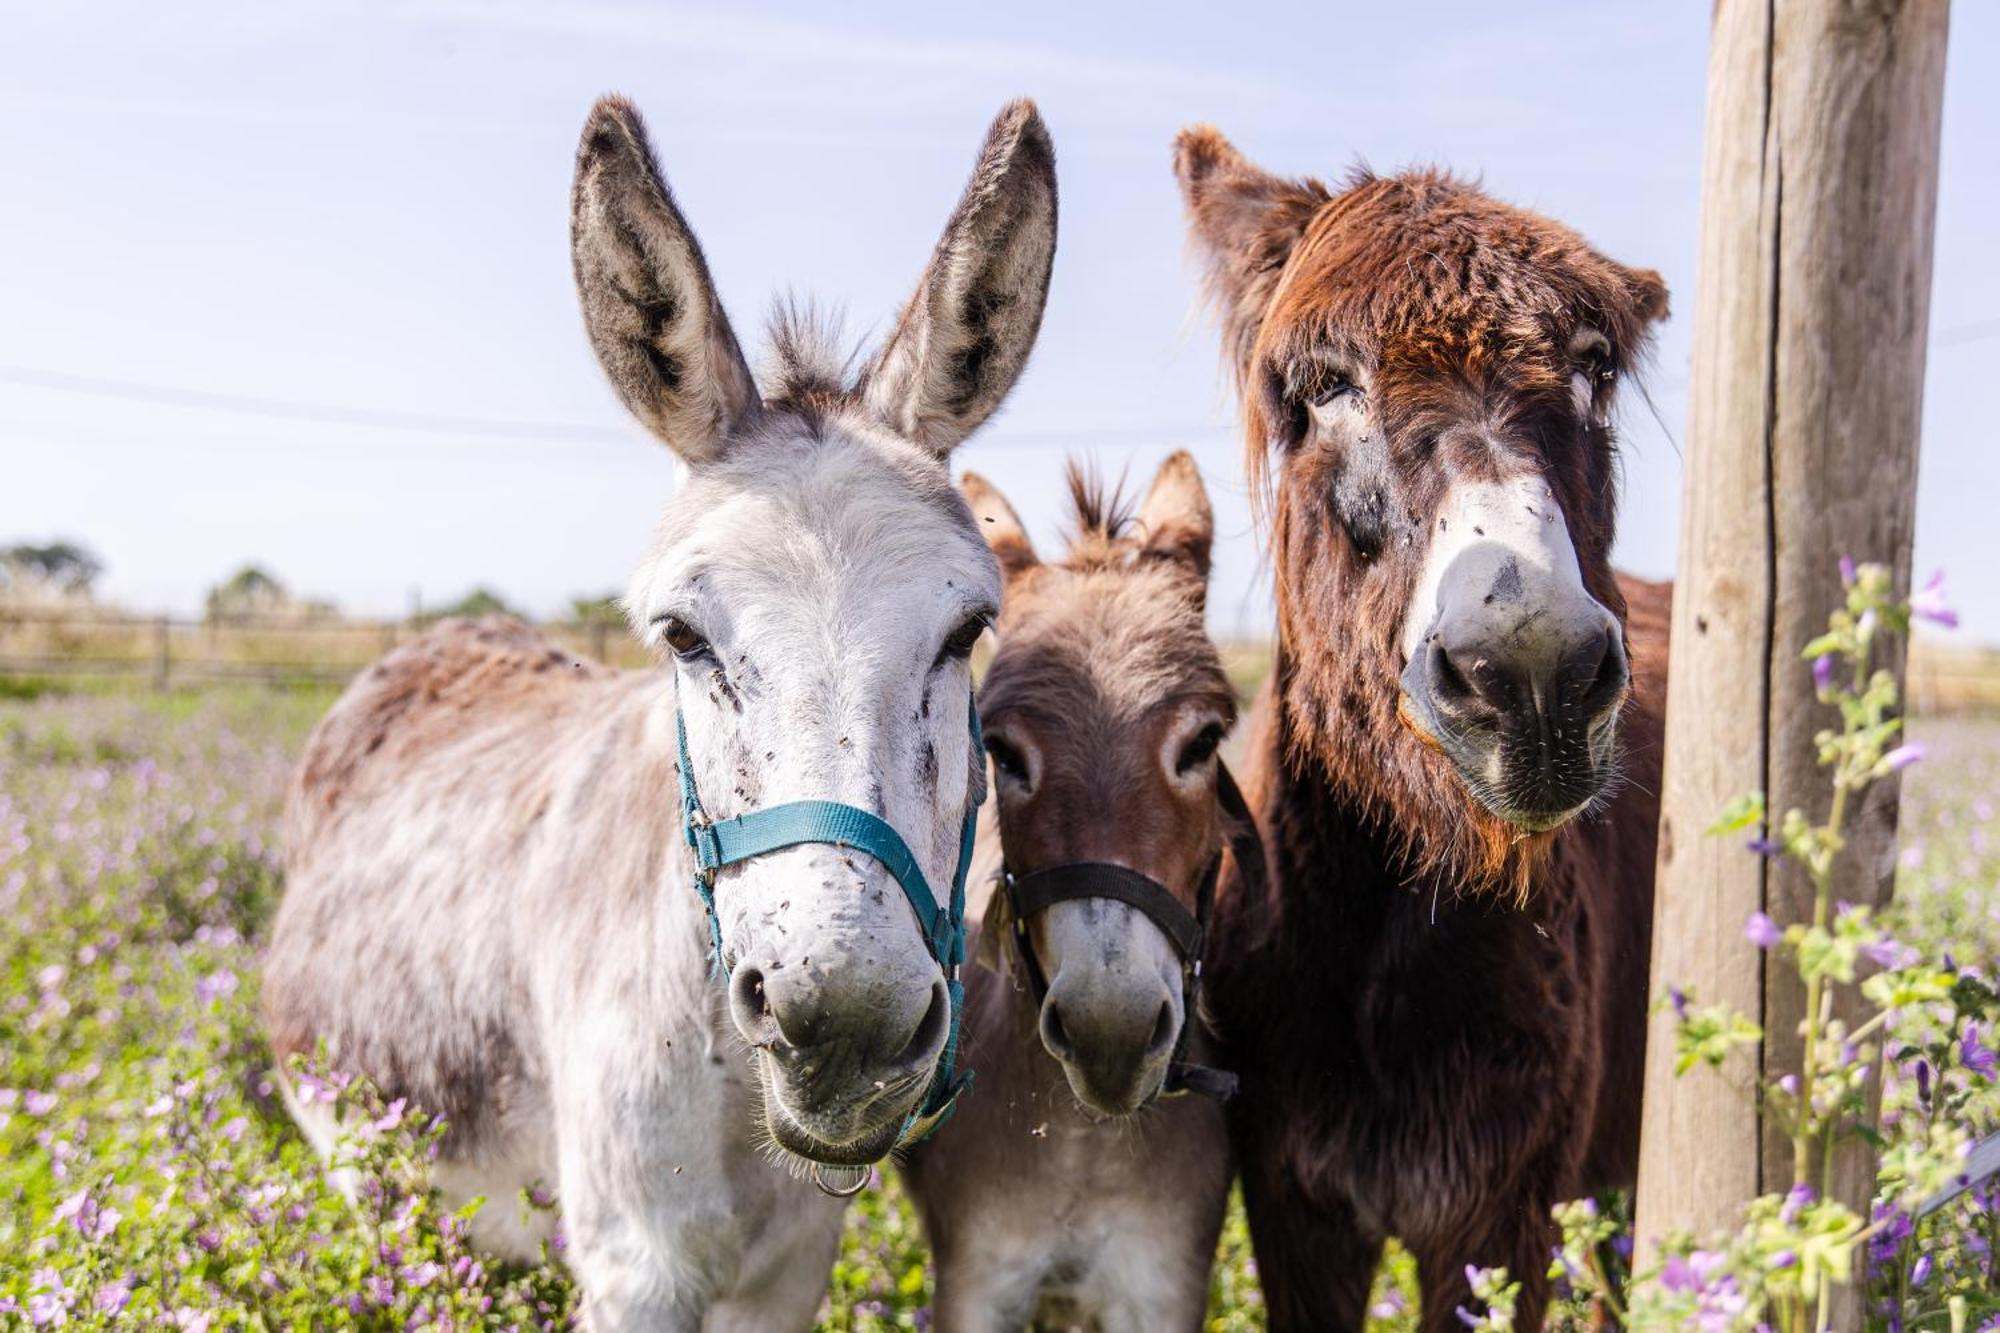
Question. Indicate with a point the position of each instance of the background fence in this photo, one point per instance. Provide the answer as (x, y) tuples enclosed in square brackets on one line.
[(166, 651)]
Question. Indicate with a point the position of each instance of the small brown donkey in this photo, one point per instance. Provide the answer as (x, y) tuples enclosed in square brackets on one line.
[(1093, 1204), (1438, 1010)]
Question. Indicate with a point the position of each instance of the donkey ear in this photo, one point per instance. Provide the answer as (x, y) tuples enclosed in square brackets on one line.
[(999, 524), (1649, 293), (1244, 223), (966, 333), (648, 302), (1175, 520)]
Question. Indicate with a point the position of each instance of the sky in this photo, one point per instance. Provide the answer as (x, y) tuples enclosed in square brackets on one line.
[(290, 283)]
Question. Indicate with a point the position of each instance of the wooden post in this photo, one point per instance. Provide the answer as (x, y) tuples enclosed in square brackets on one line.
[(1811, 307), (162, 660), (600, 633)]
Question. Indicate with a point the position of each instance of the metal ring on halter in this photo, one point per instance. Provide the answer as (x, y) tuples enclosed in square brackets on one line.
[(861, 1178)]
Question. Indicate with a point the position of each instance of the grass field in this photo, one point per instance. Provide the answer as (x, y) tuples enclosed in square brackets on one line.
[(145, 1170)]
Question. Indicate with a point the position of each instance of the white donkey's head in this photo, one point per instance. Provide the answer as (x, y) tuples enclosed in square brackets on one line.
[(819, 585)]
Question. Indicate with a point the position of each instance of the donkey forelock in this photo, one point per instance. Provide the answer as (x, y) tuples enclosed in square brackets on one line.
[(1115, 628)]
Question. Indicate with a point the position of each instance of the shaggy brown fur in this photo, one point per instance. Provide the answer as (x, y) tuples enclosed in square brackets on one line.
[(1421, 1057)]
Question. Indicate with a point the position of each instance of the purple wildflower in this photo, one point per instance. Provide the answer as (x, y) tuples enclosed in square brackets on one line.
[(1762, 931), (1904, 755), (1763, 847), (1678, 998), (1891, 955), (391, 1117), (1921, 1272), (1847, 571), (1975, 1054), (1928, 603), (216, 986), (1822, 670)]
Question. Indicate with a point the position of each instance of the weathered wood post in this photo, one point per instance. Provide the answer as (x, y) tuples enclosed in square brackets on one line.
[(163, 634), (1811, 306)]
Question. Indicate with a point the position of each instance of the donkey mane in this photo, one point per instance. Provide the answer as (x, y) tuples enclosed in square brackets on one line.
[(1103, 511), (811, 364), (1128, 619)]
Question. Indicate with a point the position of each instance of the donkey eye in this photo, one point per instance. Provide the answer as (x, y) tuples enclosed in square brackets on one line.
[(1007, 759), (1334, 387), (1201, 749), (958, 646), (1598, 365), (681, 637)]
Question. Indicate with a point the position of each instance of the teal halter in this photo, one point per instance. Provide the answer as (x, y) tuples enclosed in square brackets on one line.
[(724, 843)]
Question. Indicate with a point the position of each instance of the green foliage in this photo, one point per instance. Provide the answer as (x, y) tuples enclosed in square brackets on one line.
[(604, 610), (1914, 1081), (68, 568), (148, 1173), (478, 602)]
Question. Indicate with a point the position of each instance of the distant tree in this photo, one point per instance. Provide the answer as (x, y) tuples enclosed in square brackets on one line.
[(59, 570), (604, 610), (479, 602), (250, 591), (255, 592)]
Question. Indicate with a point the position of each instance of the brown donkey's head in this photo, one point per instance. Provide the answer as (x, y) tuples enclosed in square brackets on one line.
[(1103, 711), (1427, 378)]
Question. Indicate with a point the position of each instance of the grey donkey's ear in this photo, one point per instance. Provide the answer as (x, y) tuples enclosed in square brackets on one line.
[(998, 524), (648, 302), (1175, 520), (965, 335)]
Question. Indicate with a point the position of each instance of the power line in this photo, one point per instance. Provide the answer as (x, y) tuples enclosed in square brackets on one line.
[(316, 413), (548, 432)]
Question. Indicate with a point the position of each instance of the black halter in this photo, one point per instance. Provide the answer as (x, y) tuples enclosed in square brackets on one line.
[(1041, 889)]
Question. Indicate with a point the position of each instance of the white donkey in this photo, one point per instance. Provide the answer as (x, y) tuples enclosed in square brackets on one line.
[(491, 908)]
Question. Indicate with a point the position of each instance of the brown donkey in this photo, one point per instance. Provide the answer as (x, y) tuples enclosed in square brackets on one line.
[(1438, 1009), (1093, 1204)]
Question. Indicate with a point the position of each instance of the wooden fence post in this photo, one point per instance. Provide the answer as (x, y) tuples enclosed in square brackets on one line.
[(1811, 308), (162, 652)]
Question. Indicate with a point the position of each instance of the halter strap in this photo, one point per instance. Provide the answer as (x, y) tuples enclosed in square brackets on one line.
[(720, 843), (1041, 889)]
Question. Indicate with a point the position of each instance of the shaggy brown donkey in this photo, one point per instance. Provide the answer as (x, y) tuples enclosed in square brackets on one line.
[(1438, 1007)]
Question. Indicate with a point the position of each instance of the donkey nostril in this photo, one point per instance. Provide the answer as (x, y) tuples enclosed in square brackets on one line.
[(750, 1007), (1163, 1028), (930, 1028), (1607, 676), (1054, 1035), (1448, 684)]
